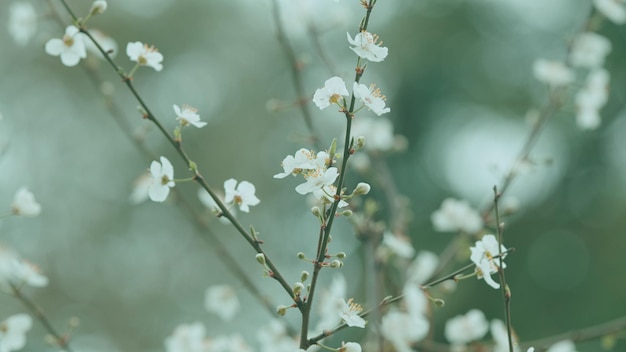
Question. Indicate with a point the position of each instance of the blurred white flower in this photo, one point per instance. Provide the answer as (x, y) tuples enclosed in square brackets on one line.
[(141, 188), (145, 55), (614, 10), (465, 328), (349, 313), (591, 99), (228, 343), (222, 300), (563, 346), (188, 116), (327, 304), (553, 73), (208, 202), (15, 271), (24, 203), (589, 50), (501, 337), (13, 332), (456, 215), (273, 337), (71, 48), (332, 91), (367, 47), (162, 179), (378, 133), (400, 246), (483, 253), (403, 329), (371, 97), (422, 267), (187, 338), (350, 347), (22, 22), (243, 195)]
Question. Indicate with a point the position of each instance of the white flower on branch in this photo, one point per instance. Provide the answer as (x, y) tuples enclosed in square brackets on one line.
[(188, 116), (367, 46), (303, 159), (614, 10), (71, 48), (162, 179), (349, 313), (15, 271), (350, 347), (24, 203), (243, 195), (589, 50), (371, 97), (465, 328), (13, 332), (591, 99), (483, 255), (334, 88), (553, 73), (145, 55)]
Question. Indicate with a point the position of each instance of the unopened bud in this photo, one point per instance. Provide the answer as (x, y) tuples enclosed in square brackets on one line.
[(360, 142), (304, 275), (298, 287), (336, 264), (316, 211), (98, 7), (341, 255), (281, 310), (347, 213), (300, 255), (439, 302), (260, 257), (362, 188)]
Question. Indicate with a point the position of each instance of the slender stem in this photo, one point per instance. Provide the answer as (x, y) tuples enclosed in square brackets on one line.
[(506, 293), (61, 340), (256, 245)]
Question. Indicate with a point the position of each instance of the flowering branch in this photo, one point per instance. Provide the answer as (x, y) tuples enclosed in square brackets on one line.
[(127, 79)]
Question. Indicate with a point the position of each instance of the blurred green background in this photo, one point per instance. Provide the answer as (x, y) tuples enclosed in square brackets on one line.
[(458, 80)]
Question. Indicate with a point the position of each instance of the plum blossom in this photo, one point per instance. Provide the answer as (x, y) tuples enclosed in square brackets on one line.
[(403, 329), (614, 10), (334, 88), (366, 47), (371, 97), (400, 246), (465, 328), (222, 300), (349, 313), (273, 337), (162, 179), (589, 50), (350, 347), (483, 253), (16, 271), (563, 346), (71, 48), (327, 305), (145, 55), (243, 195), (13, 332), (24, 203), (108, 44), (303, 159), (591, 98), (553, 73), (456, 215), (22, 22), (188, 116), (501, 337), (187, 338)]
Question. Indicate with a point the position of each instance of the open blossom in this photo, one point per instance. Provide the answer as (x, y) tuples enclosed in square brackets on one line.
[(71, 48), (456, 215), (243, 195), (483, 253), (349, 313), (400, 246), (591, 98), (501, 338), (371, 97), (17, 271), (303, 159), (222, 300), (24, 203), (317, 180), (334, 88), (13, 332), (329, 299), (553, 73), (22, 22), (350, 347), (614, 10), (365, 45), (162, 179), (465, 328), (187, 338), (403, 329), (145, 55), (589, 50), (188, 116)]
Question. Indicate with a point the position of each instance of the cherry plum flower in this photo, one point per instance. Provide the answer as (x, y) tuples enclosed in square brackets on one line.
[(222, 300), (188, 116), (614, 10), (465, 328), (366, 47), (349, 313), (145, 55), (553, 73), (456, 215), (303, 159), (243, 195), (13, 332), (334, 88), (71, 48), (371, 97), (162, 179), (24, 203), (589, 50), (22, 22), (483, 253)]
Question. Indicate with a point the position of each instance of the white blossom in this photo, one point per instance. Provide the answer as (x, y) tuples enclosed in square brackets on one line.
[(591, 98), (24, 203), (187, 338), (614, 10), (465, 328), (456, 215), (243, 195), (483, 253), (13, 332), (145, 55), (334, 88), (403, 329), (371, 97), (188, 116), (400, 246), (589, 50), (222, 300), (553, 73), (71, 48), (162, 179), (367, 46), (22, 22)]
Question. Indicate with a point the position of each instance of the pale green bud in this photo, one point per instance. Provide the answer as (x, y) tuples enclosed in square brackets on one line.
[(260, 257)]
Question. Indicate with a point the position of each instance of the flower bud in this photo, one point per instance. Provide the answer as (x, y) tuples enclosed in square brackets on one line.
[(298, 287), (336, 264), (260, 257), (341, 255), (281, 310), (439, 302), (304, 275), (360, 142), (98, 7), (347, 213), (316, 211), (301, 255), (362, 188)]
